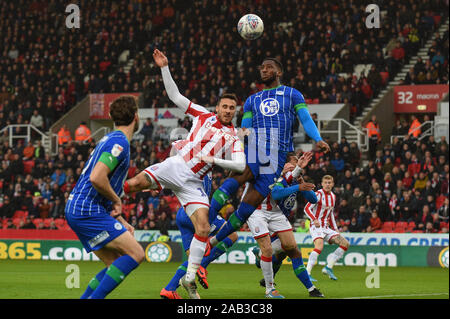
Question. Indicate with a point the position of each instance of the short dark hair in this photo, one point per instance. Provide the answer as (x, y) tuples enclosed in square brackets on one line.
[(289, 155), (278, 63), (123, 109), (230, 96)]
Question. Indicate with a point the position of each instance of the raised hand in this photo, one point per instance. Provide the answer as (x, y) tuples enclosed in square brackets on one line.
[(304, 160), (324, 146), (160, 59)]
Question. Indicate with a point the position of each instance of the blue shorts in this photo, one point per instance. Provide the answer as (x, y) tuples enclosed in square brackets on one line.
[(187, 229), (95, 231), (265, 174)]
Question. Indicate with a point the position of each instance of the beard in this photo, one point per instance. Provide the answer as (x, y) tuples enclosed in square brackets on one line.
[(269, 80)]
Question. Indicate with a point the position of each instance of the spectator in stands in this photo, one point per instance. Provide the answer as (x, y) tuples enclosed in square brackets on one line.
[(83, 133), (363, 219), (64, 136), (414, 129), (375, 222), (147, 129), (443, 211), (57, 210), (373, 130)]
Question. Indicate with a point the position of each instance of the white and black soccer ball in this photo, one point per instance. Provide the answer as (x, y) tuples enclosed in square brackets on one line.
[(250, 27)]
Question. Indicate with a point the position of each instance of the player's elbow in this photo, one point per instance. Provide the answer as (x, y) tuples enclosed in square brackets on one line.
[(240, 167), (277, 194)]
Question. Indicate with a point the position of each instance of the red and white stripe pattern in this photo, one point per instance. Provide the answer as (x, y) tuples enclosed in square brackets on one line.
[(268, 203), (208, 137), (323, 209)]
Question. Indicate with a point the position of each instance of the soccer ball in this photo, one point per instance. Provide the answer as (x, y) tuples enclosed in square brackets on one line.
[(250, 27)]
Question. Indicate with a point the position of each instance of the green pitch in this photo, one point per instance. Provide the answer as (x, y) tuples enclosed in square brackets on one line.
[(47, 279)]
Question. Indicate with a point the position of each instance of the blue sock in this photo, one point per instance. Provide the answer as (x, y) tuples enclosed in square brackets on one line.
[(236, 220), (300, 272), (115, 274), (221, 195), (93, 284), (217, 251), (175, 281)]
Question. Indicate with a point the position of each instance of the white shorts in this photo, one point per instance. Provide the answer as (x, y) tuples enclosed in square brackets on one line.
[(262, 223), (326, 233), (174, 174)]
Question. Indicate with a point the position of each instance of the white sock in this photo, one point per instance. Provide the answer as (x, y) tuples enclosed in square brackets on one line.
[(266, 267), (334, 257), (312, 261), (196, 252)]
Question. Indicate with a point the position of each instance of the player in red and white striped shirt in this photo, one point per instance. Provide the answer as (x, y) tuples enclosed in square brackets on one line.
[(212, 141), (323, 227)]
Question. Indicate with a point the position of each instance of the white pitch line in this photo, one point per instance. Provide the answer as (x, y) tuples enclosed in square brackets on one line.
[(389, 296)]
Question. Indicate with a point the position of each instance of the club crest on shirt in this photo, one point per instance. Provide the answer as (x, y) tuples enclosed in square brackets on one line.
[(116, 150), (269, 107)]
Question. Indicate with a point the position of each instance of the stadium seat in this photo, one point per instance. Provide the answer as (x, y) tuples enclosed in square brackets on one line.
[(47, 222), (388, 226), (411, 224), (440, 201), (399, 230), (401, 225), (443, 224), (36, 221), (20, 214), (384, 77), (59, 221), (16, 221), (417, 231)]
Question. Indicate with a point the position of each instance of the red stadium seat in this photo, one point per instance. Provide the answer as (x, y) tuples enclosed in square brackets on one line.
[(401, 225), (411, 224), (388, 226), (60, 221), (440, 201), (417, 231), (16, 221), (384, 77), (399, 230), (47, 222), (443, 224), (36, 221), (20, 214)]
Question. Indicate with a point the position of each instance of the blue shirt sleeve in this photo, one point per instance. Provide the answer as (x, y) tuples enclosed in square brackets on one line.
[(117, 147), (247, 118), (302, 111), (279, 192), (310, 196)]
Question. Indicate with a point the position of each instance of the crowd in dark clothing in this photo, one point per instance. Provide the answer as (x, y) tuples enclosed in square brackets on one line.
[(48, 67), (407, 181)]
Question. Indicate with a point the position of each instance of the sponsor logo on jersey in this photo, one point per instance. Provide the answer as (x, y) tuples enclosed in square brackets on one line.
[(289, 202), (118, 226), (269, 107), (116, 150), (98, 239)]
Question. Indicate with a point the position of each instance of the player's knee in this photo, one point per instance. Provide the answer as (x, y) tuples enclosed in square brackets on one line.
[(289, 248), (138, 254), (345, 243), (202, 229)]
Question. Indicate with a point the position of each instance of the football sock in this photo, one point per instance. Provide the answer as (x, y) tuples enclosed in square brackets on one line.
[(266, 267), (115, 274), (196, 252), (221, 195), (312, 259), (93, 284), (175, 281), (335, 256), (301, 273), (217, 251)]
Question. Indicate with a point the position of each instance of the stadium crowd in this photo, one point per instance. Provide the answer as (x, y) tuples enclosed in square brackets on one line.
[(404, 188), (46, 68)]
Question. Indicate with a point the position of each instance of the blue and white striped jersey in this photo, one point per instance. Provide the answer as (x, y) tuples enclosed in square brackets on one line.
[(84, 198), (274, 112)]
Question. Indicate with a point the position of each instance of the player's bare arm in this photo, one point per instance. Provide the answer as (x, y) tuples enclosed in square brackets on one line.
[(100, 181)]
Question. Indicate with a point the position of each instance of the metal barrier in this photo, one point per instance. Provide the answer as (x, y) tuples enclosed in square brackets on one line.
[(342, 126), (428, 132), (45, 138)]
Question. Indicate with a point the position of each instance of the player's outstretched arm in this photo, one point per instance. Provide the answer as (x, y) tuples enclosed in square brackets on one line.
[(171, 88), (236, 164)]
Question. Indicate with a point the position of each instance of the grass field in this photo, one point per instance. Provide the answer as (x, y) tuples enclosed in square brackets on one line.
[(47, 280)]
